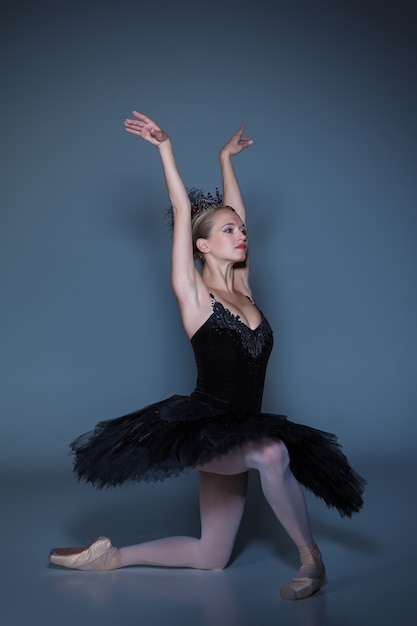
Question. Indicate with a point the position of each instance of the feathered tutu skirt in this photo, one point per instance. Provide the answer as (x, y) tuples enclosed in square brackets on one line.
[(165, 438)]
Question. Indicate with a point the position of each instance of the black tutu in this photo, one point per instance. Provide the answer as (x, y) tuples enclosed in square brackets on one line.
[(167, 437)]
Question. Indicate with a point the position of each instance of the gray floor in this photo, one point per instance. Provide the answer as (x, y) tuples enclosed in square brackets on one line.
[(371, 559)]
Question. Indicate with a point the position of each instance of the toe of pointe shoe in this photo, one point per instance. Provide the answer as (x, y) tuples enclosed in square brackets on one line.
[(74, 558), (302, 587)]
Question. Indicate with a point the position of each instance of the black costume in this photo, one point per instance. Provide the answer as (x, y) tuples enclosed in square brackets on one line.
[(223, 412)]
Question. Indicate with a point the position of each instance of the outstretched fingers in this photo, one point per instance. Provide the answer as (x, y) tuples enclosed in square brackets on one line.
[(146, 128), (143, 118)]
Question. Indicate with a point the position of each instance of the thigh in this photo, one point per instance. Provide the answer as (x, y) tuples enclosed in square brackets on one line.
[(222, 501), (252, 455), (234, 462)]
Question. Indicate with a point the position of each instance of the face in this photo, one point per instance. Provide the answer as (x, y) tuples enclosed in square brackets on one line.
[(227, 239)]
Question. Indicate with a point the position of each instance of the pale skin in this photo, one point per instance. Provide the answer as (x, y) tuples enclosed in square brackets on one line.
[(225, 274), (226, 246)]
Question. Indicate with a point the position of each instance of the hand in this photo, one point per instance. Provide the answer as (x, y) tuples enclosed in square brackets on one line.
[(236, 144), (146, 128)]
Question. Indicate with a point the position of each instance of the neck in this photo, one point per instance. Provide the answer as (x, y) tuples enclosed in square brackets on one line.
[(219, 278)]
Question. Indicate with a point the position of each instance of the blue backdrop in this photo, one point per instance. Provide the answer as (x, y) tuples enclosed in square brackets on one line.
[(89, 327)]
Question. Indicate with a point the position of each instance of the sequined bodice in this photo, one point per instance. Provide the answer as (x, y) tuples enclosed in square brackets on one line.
[(231, 359)]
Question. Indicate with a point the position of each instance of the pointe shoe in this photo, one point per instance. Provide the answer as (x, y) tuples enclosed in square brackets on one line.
[(91, 557), (311, 576)]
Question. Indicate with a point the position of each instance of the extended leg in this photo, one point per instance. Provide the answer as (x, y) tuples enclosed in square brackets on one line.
[(222, 500)]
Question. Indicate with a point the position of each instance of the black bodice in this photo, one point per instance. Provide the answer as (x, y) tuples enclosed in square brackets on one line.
[(231, 359)]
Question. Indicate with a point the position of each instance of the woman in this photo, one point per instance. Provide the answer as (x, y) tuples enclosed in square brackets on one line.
[(219, 429)]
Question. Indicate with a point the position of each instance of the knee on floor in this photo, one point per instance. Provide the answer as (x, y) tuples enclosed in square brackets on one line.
[(213, 563), (212, 555)]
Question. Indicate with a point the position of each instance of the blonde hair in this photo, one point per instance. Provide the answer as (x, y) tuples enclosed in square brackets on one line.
[(201, 226)]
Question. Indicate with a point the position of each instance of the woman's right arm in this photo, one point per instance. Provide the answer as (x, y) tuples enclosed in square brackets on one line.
[(186, 280)]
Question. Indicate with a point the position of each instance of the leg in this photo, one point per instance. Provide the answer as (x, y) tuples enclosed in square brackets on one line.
[(284, 495), (286, 499), (281, 490), (222, 500)]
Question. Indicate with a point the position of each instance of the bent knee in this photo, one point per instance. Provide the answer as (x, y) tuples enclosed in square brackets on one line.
[(268, 454), (218, 567), (214, 563)]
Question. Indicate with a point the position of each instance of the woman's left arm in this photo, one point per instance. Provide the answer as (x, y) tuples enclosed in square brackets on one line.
[(232, 197), (231, 190)]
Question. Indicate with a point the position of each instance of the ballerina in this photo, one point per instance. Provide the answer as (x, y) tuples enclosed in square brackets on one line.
[(219, 429)]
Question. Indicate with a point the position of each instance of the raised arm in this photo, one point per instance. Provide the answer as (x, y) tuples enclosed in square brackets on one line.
[(150, 131), (232, 196), (231, 190), (186, 280)]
